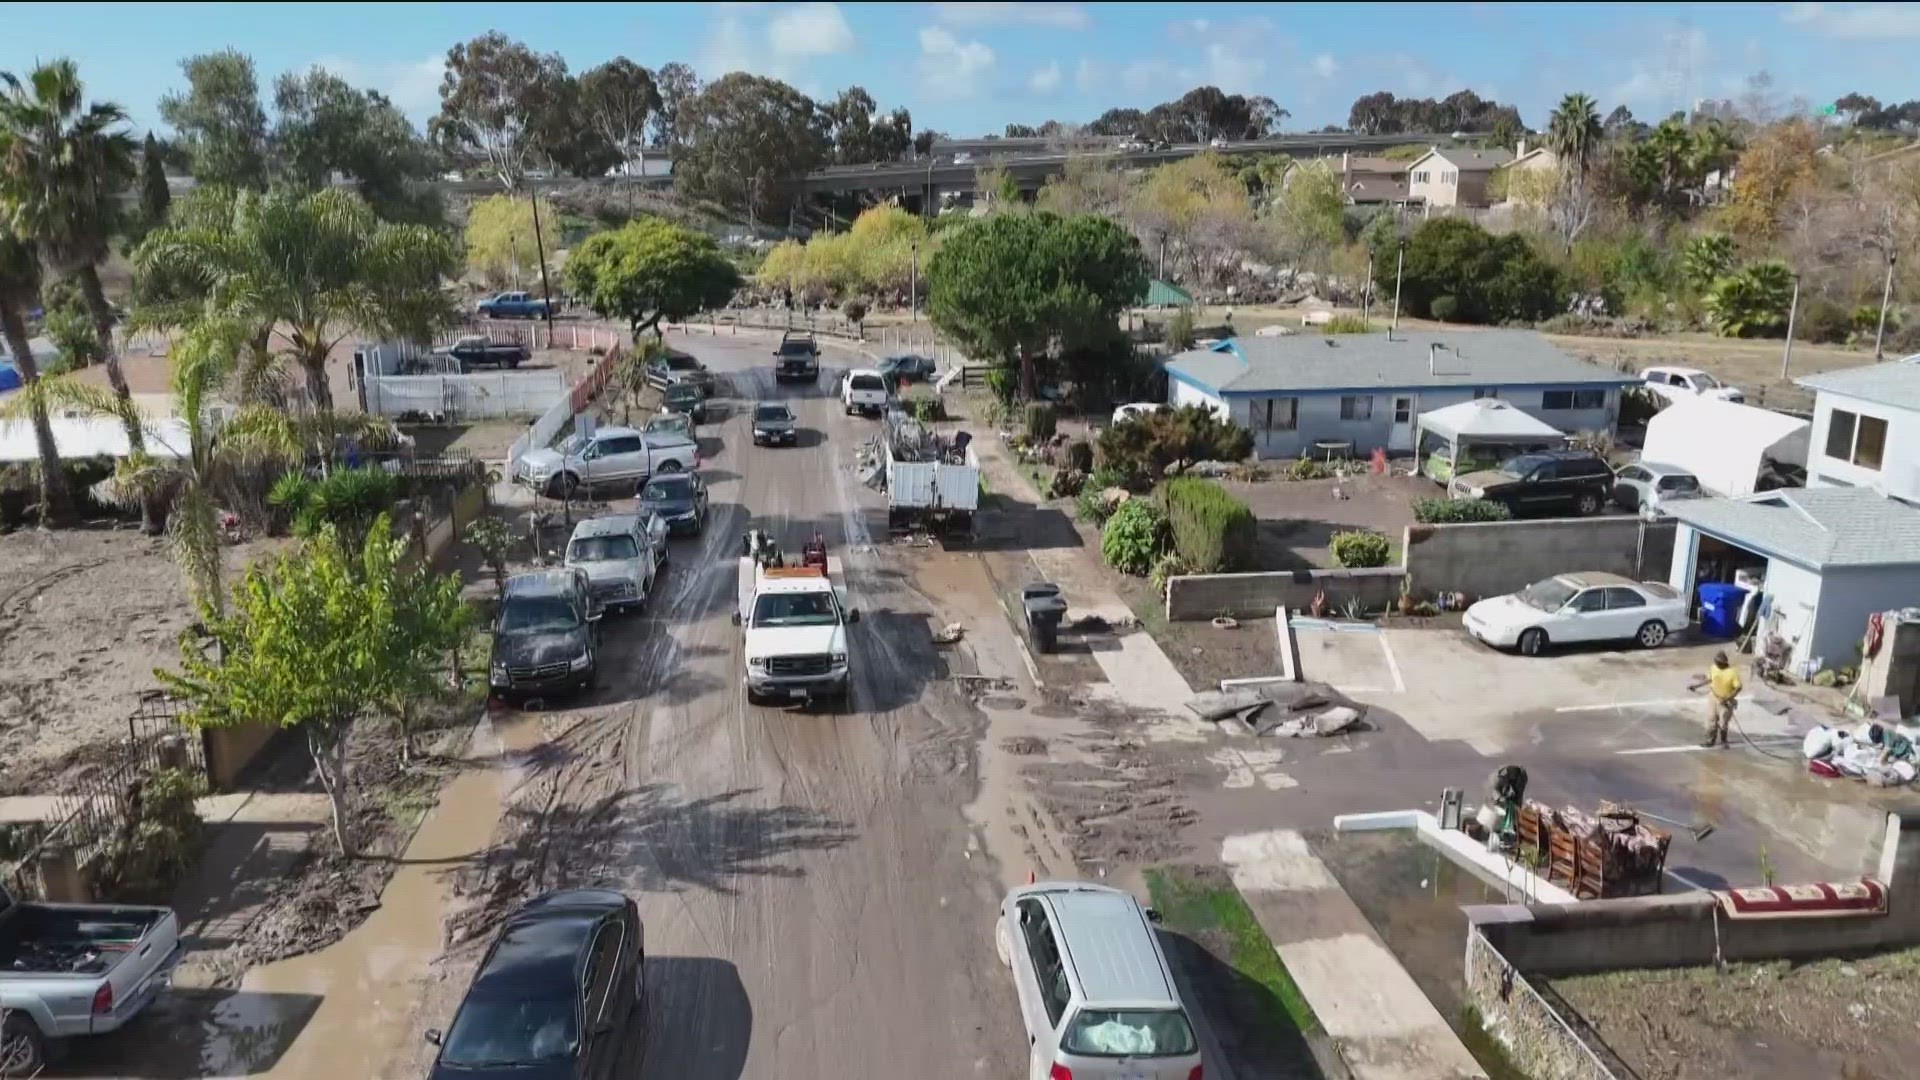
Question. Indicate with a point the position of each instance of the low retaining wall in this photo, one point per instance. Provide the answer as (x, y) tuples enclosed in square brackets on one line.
[(1252, 596), (1494, 557), (1548, 1045)]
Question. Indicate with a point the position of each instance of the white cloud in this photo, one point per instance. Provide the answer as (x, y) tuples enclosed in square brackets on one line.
[(1668, 77), (412, 85), (1046, 80), (1856, 22), (950, 65), (1325, 66), (1057, 16), (811, 30)]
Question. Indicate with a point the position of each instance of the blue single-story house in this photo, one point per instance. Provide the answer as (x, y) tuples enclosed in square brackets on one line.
[(1368, 390)]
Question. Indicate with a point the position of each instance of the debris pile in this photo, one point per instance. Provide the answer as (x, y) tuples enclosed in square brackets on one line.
[(1286, 709), (1882, 754)]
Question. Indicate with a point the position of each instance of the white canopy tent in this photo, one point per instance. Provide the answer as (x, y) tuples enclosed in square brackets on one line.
[(84, 438), (1723, 443), (1495, 428)]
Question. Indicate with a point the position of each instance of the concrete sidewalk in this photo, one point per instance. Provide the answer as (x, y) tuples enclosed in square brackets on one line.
[(1382, 1025), (233, 808)]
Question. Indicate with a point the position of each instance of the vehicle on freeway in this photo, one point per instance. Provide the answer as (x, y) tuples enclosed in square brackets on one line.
[(773, 424), (669, 423), (1218, 143), (68, 970), (545, 635), (674, 366), (682, 397), (797, 359), (478, 350), (1096, 994), (909, 367), (1136, 410), (1678, 383), (1542, 482), (609, 455), (561, 993), (679, 499), (513, 305), (864, 390), (1645, 486), (621, 554), (1583, 607), (795, 626)]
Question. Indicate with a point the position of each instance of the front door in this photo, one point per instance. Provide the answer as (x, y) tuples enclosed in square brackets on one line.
[(1400, 436)]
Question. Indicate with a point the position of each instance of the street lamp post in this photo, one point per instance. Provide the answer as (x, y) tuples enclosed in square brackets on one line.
[(913, 281), (1366, 290), (1399, 266), (1886, 295), (1793, 310)]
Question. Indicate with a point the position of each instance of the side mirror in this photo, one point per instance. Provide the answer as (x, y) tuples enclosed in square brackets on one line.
[(736, 618), (1153, 916), (853, 615), (433, 1036), (596, 616)]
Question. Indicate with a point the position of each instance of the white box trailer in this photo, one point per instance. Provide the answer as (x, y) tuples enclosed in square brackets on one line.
[(938, 494)]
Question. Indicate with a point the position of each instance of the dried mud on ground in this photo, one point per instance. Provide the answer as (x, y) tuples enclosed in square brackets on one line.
[(1842, 1018)]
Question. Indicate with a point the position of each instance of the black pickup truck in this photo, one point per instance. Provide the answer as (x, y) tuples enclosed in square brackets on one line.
[(475, 351), (797, 359)]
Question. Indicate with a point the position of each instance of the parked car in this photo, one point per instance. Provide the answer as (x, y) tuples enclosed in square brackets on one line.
[(1096, 994), (909, 368), (669, 423), (545, 634), (683, 397), (864, 390), (1543, 482), (773, 424), (554, 996), (674, 366), (513, 305), (680, 500), (1580, 607), (797, 358), (609, 455), (1136, 411), (478, 350), (1675, 383), (1646, 485), (68, 970), (621, 554)]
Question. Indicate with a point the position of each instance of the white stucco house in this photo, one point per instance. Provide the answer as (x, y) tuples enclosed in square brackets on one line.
[(1866, 428)]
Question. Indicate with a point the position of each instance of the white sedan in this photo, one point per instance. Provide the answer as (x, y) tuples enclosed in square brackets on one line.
[(1138, 410), (1578, 608)]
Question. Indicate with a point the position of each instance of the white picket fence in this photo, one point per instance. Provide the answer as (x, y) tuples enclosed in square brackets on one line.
[(478, 396)]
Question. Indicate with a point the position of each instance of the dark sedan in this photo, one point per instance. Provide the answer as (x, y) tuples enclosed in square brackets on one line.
[(680, 499), (555, 996), (909, 368)]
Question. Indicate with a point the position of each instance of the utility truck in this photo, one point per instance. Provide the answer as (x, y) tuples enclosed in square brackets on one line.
[(795, 621)]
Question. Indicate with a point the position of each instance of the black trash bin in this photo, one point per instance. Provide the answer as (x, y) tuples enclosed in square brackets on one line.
[(1045, 608)]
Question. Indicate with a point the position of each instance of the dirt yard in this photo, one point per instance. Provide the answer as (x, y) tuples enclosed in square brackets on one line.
[(1754, 366), (1843, 1018), (1298, 518)]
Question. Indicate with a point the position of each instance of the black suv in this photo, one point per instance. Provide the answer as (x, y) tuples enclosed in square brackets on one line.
[(797, 359), (559, 994), (544, 636), (1542, 484)]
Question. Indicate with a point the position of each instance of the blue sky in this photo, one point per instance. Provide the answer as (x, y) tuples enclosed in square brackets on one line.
[(972, 68)]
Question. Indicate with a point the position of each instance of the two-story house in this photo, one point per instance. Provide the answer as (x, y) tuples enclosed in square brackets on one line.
[(1866, 428), (1454, 176)]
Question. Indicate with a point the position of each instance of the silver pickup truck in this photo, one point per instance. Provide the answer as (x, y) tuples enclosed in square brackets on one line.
[(77, 969)]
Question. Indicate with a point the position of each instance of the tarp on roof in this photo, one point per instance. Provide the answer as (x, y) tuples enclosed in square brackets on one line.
[(1487, 420), (1165, 294), (1724, 443), (77, 438)]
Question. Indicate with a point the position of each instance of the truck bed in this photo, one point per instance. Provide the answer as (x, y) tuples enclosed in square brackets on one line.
[(41, 939)]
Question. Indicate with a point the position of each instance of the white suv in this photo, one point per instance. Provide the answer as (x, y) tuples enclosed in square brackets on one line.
[(621, 554)]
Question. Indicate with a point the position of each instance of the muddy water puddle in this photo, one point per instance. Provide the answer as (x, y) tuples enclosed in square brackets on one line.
[(351, 1009)]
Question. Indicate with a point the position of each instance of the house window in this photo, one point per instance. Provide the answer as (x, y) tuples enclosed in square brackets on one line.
[(1857, 439), (1278, 414), (1573, 399), (1359, 407)]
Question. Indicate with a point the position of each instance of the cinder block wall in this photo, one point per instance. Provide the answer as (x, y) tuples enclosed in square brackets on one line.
[(1250, 596), (1490, 558)]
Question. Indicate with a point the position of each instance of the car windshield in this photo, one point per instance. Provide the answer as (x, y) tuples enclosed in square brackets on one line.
[(537, 615), (682, 392), (869, 382), (771, 412), (471, 343), (602, 549), (1129, 1033), (1549, 595), (1705, 381), (682, 362), (795, 609), (676, 490), (492, 1032), (1519, 467)]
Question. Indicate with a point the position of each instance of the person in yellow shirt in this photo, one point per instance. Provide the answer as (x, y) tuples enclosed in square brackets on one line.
[(1723, 694)]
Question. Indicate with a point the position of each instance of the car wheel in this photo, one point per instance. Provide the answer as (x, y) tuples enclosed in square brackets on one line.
[(1589, 503), (1000, 946), (23, 1052), (1532, 640), (1652, 635), (754, 698), (563, 486)]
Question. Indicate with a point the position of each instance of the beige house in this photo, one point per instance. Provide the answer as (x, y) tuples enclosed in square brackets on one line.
[(1454, 177), (1531, 176), (1366, 181)]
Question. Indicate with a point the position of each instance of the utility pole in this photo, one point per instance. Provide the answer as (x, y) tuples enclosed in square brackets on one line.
[(1886, 295), (1366, 292), (913, 281), (1793, 309), (540, 248), (1162, 272), (1399, 266)]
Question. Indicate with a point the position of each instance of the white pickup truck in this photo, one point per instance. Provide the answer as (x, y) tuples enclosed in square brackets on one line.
[(611, 455), (795, 622), (865, 390)]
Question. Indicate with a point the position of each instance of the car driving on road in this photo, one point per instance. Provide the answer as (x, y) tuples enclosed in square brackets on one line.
[(560, 995), (797, 359), (544, 636), (679, 500), (773, 424), (864, 390), (1583, 607)]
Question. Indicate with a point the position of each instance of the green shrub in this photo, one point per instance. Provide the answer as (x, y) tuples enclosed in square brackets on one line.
[(1142, 450), (1825, 322), (347, 499), (1445, 308), (1308, 468), (1212, 531), (1347, 324), (1752, 302), (1080, 455), (1090, 505), (855, 311), (1041, 422), (1454, 511), (1359, 550), (1134, 537), (1169, 564), (926, 408), (1180, 330), (1003, 383)]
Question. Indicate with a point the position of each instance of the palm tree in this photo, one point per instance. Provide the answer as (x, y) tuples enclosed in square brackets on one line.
[(313, 267), (19, 286), (1672, 149), (1573, 132), (63, 165)]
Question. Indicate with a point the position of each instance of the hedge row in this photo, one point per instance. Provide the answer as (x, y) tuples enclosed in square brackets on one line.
[(1454, 511), (1212, 530)]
